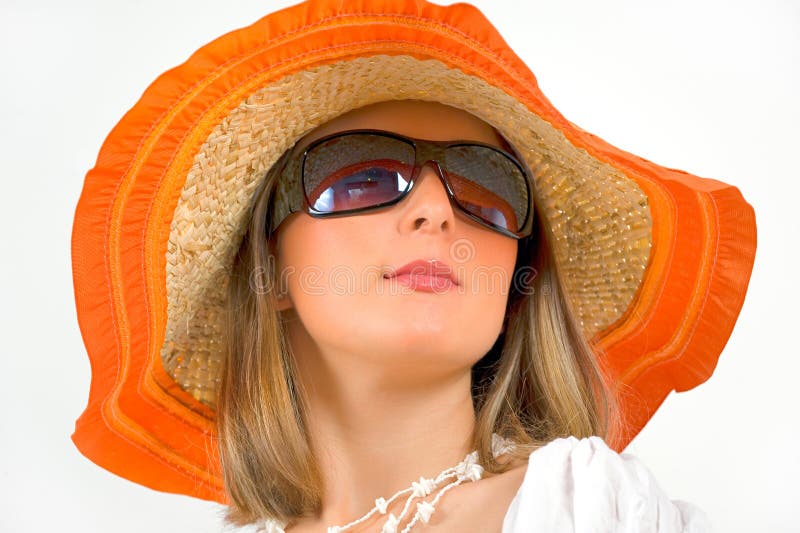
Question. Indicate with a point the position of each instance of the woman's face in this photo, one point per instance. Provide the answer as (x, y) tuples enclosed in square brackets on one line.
[(334, 269)]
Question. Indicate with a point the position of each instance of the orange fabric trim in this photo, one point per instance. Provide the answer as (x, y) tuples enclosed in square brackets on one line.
[(677, 344)]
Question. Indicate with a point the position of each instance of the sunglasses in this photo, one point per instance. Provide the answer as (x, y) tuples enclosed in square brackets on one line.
[(357, 171)]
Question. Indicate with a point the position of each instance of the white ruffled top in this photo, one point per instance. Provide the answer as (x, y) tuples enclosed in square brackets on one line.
[(583, 486)]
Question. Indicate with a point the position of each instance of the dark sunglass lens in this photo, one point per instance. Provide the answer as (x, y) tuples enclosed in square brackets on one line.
[(370, 184), (355, 171), (488, 184)]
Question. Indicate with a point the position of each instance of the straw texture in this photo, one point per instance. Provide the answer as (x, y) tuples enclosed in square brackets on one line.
[(598, 215)]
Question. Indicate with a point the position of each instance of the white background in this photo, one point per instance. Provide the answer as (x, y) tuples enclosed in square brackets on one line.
[(708, 87)]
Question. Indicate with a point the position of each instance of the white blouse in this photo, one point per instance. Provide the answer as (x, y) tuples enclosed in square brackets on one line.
[(583, 486)]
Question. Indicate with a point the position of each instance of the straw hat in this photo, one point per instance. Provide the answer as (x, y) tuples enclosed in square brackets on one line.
[(657, 261)]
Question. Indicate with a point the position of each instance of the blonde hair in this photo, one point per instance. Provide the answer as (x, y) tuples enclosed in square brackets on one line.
[(540, 381)]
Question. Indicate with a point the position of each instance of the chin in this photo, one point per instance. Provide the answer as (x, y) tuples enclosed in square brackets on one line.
[(436, 344)]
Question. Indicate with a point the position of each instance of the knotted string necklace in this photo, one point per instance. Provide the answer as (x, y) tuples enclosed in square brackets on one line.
[(465, 471)]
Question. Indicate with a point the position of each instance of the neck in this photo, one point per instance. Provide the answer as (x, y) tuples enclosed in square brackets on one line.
[(375, 429)]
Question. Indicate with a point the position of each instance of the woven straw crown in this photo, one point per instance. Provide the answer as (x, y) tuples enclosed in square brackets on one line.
[(656, 260)]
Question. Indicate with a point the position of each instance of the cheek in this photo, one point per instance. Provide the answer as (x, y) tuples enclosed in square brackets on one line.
[(305, 243), (323, 262), (490, 277), (492, 266)]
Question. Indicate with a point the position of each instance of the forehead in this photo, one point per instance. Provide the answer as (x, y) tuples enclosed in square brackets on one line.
[(413, 118)]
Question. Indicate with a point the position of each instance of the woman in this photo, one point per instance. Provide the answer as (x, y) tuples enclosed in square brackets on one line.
[(356, 390), (387, 357)]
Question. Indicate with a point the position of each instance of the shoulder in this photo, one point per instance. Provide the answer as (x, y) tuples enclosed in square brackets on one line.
[(576, 484)]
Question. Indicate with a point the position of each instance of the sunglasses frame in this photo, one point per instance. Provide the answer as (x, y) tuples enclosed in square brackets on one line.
[(292, 178)]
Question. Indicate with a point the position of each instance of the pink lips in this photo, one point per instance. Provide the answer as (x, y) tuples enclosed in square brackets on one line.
[(425, 275)]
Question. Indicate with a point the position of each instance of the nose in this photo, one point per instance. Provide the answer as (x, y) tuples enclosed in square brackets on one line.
[(428, 204)]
